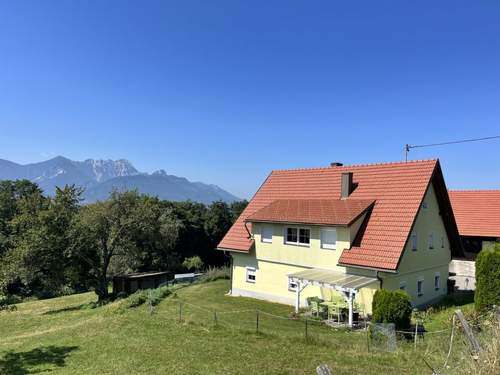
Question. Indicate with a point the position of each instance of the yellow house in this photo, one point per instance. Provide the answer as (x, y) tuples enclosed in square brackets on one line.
[(346, 230)]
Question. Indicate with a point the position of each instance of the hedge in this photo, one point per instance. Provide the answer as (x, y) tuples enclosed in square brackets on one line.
[(488, 278), (392, 307)]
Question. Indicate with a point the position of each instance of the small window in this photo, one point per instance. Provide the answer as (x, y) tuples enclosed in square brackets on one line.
[(437, 281), (292, 285), (328, 239), (402, 285), (442, 242), (420, 287), (424, 205), (431, 240), (251, 275), (267, 233), (414, 242), (298, 236), (291, 235)]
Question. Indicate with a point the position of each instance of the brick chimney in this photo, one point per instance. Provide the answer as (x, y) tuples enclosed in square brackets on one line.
[(346, 185)]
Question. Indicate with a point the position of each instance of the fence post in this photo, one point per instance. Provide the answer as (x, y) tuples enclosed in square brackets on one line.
[(306, 328), (367, 336), (474, 344), (416, 334), (215, 318), (257, 321), (180, 311)]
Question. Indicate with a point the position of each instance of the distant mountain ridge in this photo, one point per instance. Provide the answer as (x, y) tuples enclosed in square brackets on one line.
[(100, 177)]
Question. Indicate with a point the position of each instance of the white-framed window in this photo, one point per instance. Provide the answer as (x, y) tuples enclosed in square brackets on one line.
[(328, 238), (292, 285), (431, 240), (414, 241), (420, 287), (297, 236), (251, 277), (267, 233), (402, 285), (437, 281)]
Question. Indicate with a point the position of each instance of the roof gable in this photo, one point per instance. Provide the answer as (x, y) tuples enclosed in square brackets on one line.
[(396, 188)]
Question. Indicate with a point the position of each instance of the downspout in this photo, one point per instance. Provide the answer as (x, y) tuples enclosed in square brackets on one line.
[(381, 281), (248, 231), (230, 292)]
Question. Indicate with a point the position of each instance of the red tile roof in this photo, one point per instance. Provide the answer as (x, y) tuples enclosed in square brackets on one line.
[(397, 188), (312, 211), (477, 212)]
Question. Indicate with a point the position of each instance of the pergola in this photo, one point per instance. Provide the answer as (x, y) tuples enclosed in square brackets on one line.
[(345, 283)]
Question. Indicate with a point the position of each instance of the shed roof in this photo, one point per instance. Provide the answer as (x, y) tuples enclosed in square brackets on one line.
[(334, 278), (477, 212)]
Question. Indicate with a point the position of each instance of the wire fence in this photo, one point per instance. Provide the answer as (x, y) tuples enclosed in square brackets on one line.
[(441, 350)]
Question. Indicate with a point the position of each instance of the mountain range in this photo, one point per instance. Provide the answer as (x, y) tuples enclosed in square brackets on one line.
[(101, 177)]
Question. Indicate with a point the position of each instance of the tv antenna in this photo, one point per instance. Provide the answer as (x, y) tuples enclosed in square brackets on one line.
[(409, 147)]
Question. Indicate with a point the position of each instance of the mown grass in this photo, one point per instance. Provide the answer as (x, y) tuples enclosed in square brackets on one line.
[(64, 335)]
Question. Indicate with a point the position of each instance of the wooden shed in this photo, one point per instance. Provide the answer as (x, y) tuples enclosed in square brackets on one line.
[(129, 283)]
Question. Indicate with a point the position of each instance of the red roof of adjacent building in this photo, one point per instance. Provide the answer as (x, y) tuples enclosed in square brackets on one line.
[(477, 212), (312, 211), (397, 189)]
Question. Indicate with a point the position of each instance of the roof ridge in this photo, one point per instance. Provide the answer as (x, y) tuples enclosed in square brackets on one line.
[(356, 165)]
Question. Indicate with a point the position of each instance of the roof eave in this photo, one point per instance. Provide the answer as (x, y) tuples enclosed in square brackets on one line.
[(388, 270)]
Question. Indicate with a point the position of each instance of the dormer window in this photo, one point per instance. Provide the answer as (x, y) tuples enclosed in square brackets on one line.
[(328, 238), (267, 233), (298, 236)]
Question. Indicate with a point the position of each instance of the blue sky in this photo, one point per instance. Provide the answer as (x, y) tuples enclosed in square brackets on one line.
[(225, 91)]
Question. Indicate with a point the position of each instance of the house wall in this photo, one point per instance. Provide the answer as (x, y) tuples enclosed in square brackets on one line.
[(424, 263), (273, 262), (312, 256)]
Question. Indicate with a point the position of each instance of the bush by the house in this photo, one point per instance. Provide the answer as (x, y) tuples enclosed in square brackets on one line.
[(488, 278), (392, 307)]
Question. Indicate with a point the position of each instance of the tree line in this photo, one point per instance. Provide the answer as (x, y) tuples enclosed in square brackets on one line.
[(56, 245)]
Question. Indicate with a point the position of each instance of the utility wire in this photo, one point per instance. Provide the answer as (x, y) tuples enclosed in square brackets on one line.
[(408, 147)]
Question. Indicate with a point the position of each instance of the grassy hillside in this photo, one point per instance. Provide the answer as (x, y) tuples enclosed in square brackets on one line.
[(63, 335)]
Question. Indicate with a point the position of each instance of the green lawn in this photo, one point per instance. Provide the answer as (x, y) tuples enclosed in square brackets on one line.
[(64, 335)]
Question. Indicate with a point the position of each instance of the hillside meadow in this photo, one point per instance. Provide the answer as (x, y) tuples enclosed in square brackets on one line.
[(196, 330)]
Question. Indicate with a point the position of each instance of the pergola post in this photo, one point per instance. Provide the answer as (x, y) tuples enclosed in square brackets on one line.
[(350, 300), (297, 298)]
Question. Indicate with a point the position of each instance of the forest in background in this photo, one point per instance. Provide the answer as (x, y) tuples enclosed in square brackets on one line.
[(55, 245)]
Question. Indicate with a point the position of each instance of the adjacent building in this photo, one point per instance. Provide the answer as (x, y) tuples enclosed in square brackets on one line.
[(477, 213), (345, 230)]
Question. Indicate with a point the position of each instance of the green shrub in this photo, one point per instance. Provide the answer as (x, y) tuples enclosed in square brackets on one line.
[(216, 273), (488, 278), (392, 307), (193, 263), (5, 304), (155, 296), (151, 296), (138, 298)]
